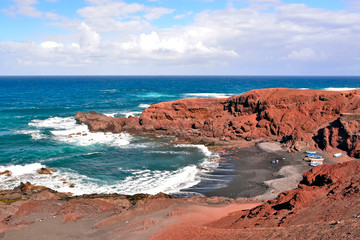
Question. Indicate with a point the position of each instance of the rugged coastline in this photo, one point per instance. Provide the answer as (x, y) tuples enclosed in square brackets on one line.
[(299, 119), (257, 126)]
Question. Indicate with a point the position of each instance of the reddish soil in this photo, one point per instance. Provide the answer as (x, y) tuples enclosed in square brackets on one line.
[(324, 206)]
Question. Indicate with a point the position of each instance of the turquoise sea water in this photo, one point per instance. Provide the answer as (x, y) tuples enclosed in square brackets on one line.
[(37, 115)]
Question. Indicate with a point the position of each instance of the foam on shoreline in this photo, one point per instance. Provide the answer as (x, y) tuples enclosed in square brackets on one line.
[(68, 131), (207, 95), (339, 89)]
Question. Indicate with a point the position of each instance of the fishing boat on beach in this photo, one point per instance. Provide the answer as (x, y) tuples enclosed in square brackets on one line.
[(311, 152), (316, 162)]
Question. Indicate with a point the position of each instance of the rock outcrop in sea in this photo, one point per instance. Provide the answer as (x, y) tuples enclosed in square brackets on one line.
[(299, 119)]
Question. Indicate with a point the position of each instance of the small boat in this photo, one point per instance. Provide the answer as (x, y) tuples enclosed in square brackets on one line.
[(314, 155), (314, 164), (337, 155), (311, 152)]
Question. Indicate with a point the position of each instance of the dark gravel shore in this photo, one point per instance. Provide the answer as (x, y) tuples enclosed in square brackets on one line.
[(246, 172)]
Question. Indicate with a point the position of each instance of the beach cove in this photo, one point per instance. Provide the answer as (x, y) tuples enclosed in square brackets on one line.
[(222, 148)]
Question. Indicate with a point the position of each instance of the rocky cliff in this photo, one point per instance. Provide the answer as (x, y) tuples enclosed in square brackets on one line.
[(298, 118), (327, 193)]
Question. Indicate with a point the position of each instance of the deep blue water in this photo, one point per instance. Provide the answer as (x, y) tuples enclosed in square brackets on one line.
[(36, 118)]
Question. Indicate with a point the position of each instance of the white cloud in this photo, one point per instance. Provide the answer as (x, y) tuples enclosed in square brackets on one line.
[(29, 8), (108, 9), (155, 13), (181, 16), (52, 16), (51, 45), (303, 54), (25, 7), (88, 38), (116, 36)]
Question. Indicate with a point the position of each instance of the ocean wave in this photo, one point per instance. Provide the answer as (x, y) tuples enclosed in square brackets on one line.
[(35, 134), (167, 152), (68, 131), (211, 160), (139, 180), (123, 114), (207, 95), (54, 123), (108, 90), (339, 89), (154, 95), (143, 105)]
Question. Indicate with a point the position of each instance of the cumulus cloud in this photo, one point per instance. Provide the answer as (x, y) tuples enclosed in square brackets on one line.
[(291, 39), (88, 38)]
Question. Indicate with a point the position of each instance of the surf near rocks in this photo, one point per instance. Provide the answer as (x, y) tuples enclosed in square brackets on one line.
[(299, 119)]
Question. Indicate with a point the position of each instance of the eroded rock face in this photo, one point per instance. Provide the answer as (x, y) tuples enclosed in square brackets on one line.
[(343, 133), (294, 117)]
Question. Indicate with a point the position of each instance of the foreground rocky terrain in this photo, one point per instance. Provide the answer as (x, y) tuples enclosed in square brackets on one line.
[(326, 205), (300, 119)]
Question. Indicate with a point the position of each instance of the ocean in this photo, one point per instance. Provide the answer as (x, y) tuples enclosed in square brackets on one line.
[(37, 115)]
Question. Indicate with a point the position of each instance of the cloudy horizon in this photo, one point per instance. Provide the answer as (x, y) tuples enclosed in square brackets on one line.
[(189, 37)]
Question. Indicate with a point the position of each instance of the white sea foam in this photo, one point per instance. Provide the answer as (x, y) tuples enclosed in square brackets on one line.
[(339, 89), (210, 161), (143, 105), (54, 123), (202, 148), (207, 95), (20, 170), (108, 90), (140, 180), (35, 134), (123, 114), (154, 95), (67, 130)]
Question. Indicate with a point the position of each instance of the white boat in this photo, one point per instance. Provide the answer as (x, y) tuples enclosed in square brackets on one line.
[(316, 162), (337, 155)]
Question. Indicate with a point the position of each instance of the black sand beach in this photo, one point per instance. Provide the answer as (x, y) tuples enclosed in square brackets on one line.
[(246, 172)]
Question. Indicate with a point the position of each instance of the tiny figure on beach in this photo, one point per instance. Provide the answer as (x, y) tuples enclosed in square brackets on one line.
[(277, 161), (273, 161)]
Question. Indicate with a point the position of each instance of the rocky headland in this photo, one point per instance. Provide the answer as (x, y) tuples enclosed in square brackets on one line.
[(299, 119)]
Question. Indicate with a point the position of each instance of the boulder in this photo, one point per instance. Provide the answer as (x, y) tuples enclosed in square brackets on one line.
[(45, 171)]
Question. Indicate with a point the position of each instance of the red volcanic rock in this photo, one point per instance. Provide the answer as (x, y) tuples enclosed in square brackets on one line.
[(343, 133), (100, 123), (298, 118), (326, 193)]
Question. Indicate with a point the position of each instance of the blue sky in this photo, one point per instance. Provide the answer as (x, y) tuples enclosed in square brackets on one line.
[(228, 37)]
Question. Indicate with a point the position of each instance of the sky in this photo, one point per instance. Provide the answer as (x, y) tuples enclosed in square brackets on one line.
[(179, 37)]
